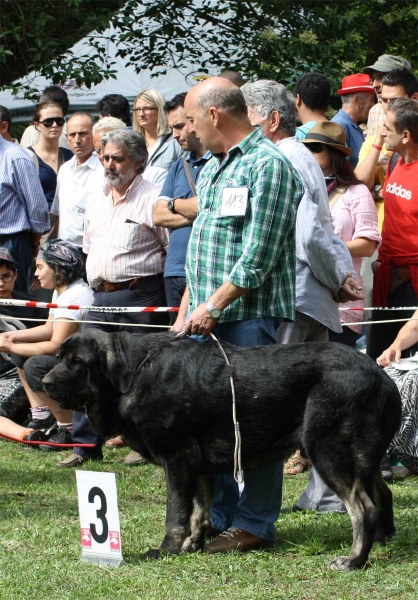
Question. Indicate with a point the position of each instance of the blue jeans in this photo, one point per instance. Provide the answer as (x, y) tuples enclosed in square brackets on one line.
[(258, 507), (174, 290)]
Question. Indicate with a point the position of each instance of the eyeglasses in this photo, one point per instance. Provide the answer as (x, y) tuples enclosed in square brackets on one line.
[(51, 120), (7, 278), (145, 109), (316, 147)]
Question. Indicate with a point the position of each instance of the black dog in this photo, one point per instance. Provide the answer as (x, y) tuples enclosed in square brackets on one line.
[(171, 400)]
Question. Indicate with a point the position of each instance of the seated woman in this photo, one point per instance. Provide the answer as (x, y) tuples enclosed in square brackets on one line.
[(13, 400), (59, 266), (404, 446)]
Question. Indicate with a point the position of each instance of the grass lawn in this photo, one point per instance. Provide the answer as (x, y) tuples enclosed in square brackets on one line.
[(40, 544)]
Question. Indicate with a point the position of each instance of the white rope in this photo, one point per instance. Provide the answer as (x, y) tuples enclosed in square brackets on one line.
[(238, 471), (93, 322)]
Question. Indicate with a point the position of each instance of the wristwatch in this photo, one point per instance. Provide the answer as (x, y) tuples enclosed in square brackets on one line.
[(214, 312), (170, 205)]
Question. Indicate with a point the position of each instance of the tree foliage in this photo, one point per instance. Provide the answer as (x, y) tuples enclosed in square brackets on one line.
[(278, 39), (35, 35)]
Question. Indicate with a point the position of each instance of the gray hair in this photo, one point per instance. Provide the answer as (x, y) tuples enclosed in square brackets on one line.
[(265, 95), (346, 99), (229, 100), (109, 123), (133, 142)]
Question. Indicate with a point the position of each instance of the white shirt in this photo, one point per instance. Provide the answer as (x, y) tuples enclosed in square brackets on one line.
[(76, 185), (155, 175), (120, 238), (77, 292), (322, 259)]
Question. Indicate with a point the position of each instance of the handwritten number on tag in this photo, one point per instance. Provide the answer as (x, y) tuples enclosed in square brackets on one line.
[(100, 538)]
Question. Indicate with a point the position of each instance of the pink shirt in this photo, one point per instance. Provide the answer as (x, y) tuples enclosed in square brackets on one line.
[(121, 239), (354, 216)]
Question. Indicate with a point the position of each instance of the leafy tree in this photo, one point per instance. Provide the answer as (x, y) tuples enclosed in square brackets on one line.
[(35, 35), (278, 39)]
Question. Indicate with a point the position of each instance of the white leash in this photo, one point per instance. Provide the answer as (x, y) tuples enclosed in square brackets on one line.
[(238, 472)]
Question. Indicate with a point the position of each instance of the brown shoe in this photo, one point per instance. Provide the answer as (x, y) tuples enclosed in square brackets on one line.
[(134, 458), (74, 460), (236, 539), (116, 442)]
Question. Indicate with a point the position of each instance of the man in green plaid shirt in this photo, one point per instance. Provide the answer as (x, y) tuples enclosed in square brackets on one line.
[(240, 272)]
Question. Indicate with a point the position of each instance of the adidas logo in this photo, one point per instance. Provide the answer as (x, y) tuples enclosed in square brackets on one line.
[(398, 190)]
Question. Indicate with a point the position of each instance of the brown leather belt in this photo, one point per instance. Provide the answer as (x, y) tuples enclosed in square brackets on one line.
[(132, 284)]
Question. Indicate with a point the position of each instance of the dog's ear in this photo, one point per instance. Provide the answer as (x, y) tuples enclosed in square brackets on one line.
[(114, 366)]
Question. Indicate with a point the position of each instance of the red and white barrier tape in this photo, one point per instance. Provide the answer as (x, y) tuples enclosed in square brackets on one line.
[(100, 309)]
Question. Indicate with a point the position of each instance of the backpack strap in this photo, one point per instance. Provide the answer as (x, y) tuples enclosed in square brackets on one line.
[(393, 160), (189, 176)]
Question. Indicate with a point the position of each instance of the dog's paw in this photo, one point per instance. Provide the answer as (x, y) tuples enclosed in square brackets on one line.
[(191, 544), (343, 563)]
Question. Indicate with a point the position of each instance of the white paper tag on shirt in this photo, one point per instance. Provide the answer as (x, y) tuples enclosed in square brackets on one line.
[(234, 201)]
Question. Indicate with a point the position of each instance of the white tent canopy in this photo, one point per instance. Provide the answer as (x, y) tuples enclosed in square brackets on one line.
[(127, 83)]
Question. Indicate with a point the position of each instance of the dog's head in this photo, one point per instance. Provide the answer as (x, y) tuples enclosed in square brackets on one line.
[(92, 370)]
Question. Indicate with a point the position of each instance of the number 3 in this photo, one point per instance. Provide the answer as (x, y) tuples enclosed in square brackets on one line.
[(100, 538)]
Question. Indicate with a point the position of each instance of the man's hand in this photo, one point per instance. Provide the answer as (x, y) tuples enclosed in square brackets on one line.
[(178, 324), (199, 322), (350, 290)]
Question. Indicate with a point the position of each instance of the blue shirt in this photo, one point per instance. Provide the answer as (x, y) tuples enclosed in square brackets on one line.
[(23, 205), (177, 186), (303, 130), (355, 137)]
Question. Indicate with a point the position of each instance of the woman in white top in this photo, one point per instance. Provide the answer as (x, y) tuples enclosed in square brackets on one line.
[(150, 119), (59, 266)]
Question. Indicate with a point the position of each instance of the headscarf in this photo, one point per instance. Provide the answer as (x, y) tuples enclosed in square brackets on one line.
[(63, 254)]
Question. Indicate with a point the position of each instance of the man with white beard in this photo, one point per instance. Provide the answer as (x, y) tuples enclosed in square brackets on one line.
[(125, 253)]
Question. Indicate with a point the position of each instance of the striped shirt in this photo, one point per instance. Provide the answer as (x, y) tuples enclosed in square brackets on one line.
[(121, 239), (256, 250), (23, 206)]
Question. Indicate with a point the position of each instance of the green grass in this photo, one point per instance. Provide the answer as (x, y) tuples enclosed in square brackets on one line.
[(40, 544)]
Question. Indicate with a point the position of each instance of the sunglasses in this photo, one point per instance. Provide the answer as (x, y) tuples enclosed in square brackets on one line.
[(316, 147), (59, 121)]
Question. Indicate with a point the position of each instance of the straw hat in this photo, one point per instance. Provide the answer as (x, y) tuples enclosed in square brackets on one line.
[(330, 134)]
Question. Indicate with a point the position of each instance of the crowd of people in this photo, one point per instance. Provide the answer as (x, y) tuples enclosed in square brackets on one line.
[(243, 205)]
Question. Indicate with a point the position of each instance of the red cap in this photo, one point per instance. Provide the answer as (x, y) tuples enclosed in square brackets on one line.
[(359, 82)]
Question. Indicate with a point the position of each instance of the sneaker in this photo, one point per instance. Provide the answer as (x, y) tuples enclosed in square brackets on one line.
[(62, 436), (45, 423), (35, 436)]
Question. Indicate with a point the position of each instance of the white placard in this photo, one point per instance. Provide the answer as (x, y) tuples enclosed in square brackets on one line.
[(99, 518), (234, 201)]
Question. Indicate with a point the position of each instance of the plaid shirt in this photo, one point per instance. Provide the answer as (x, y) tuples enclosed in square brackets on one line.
[(254, 251)]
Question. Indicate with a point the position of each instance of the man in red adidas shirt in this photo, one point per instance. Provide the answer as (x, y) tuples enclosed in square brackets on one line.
[(396, 273)]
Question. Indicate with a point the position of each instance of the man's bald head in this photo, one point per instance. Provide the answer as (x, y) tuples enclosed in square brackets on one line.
[(219, 93)]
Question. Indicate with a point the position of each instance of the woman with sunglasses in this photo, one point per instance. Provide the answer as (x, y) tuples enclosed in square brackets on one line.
[(49, 120), (59, 267), (150, 119), (354, 219)]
